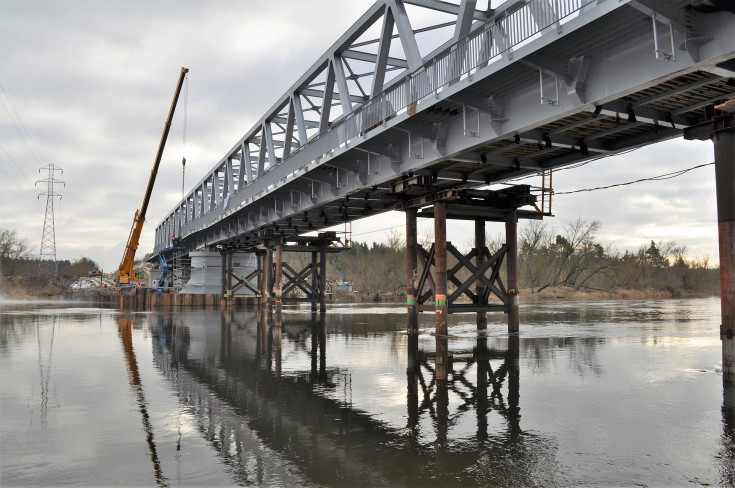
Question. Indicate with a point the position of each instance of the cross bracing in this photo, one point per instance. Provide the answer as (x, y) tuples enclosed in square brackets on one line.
[(475, 98)]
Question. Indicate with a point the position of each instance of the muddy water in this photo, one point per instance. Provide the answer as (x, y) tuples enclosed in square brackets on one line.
[(621, 393)]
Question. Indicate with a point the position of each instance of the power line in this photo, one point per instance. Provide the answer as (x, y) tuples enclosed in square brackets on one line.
[(17, 116), (378, 230), (13, 161), (386, 228), (575, 165), (666, 176)]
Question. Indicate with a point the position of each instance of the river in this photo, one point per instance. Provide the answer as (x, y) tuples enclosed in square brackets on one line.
[(608, 393)]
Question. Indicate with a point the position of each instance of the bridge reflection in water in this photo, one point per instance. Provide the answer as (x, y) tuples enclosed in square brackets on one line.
[(266, 380)]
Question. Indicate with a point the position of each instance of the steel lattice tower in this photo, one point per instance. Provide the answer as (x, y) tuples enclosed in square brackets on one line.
[(47, 256)]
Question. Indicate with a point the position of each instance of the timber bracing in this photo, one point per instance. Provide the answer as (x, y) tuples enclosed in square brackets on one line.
[(277, 282), (488, 274)]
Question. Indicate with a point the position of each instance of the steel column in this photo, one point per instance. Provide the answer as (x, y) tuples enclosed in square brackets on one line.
[(229, 272), (411, 271), (323, 279), (223, 278), (278, 279), (511, 239), (440, 244), (314, 281), (724, 142), (259, 258), (267, 276), (479, 261)]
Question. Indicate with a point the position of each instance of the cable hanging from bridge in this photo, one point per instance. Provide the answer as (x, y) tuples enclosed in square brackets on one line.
[(387, 228), (666, 176), (571, 166), (183, 144)]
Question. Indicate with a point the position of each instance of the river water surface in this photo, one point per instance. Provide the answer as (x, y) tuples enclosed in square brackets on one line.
[(613, 393)]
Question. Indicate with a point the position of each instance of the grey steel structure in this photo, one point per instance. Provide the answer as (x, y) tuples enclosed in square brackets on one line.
[(386, 119), (526, 87)]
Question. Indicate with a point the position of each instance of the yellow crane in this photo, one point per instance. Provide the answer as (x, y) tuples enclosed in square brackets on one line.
[(125, 274)]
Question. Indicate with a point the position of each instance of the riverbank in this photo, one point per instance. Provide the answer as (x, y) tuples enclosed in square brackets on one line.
[(27, 288), (569, 293)]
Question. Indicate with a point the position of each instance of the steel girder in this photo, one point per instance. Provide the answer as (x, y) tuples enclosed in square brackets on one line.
[(522, 89)]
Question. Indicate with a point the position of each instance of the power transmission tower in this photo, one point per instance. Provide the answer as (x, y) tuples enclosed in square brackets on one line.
[(47, 256)]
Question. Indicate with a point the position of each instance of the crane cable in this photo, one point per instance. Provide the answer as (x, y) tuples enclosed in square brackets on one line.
[(183, 150)]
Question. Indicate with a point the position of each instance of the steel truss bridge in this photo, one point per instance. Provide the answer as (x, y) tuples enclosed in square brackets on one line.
[(433, 95)]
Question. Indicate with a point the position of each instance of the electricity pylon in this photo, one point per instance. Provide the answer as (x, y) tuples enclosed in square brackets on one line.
[(47, 256)]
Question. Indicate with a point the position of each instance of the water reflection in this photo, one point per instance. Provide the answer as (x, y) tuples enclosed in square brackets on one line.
[(125, 326), (727, 452), (462, 416), (45, 370), (296, 399)]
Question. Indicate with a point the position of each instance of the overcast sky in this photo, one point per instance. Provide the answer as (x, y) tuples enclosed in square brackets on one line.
[(88, 84)]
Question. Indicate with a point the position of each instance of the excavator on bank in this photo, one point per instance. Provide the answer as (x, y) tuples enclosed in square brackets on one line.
[(125, 275)]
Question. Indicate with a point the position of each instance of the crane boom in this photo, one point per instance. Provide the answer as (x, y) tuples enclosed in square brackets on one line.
[(125, 272)]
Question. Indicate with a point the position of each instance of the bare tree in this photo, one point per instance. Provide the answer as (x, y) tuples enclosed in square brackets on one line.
[(13, 251)]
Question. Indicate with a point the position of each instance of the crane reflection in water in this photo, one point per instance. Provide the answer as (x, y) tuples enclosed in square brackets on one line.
[(125, 326)]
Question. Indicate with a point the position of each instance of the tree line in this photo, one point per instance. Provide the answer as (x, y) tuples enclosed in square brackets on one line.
[(547, 257), (18, 258)]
